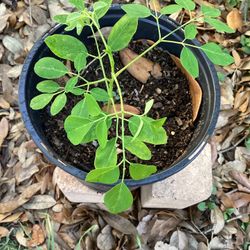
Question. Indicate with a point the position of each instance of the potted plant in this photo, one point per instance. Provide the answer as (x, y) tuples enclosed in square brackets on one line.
[(76, 87)]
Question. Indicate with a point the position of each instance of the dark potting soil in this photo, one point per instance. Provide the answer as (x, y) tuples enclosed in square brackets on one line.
[(171, 99)]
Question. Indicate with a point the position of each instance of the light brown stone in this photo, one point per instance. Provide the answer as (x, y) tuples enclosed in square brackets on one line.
[(75, 190), (188, 187)]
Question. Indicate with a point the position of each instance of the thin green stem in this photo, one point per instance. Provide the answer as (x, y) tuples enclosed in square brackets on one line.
[(151, 47), (181, 43)]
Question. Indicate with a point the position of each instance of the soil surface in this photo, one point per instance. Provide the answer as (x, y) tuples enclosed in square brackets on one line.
[(171, 99)]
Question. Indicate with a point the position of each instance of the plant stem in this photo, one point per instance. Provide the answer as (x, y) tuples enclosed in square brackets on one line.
[(114, 78), (152, 46)]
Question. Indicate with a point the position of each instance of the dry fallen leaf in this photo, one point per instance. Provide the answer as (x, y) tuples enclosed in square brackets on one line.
[(37, 236), (217, 220), (142, 68), (4, 129), (195, 89), (4, 232), (105, 239), (117, 108), (234, 19), (240, 178), (27, 193), (155, 5), (3, 103), (119, 223), (20, 237), (12, 218), (40, 202), (236, 56), (162, 227), (240, 199), (183, 241)]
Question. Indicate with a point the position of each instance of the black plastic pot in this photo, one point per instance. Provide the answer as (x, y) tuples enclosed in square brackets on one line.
[(147, 29)]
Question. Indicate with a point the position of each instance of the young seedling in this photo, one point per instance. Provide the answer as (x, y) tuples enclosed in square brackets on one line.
[(88, 120)]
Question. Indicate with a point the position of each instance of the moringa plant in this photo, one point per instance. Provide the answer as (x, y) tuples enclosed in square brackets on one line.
[(88, 120)]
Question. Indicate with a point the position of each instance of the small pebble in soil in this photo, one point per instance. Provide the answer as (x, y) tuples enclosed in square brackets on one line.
[(158, 91)]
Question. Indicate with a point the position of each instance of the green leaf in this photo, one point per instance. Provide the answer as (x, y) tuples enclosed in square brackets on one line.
[(79, 4), (80, 109), (102, 133), (91, 135), (76, 128), (190, 31), (58, 104), (141, 171), (150, 132), (210, 11), (189, 62), (65, 46), (186, 4), (148, 106), (104, 175), (170, 9), (92, 106), (40, 101), (71, 83), (137, 148), (80, 62), (219, 25), (202, 206), (77, 91), (119, 39), (118, 198), (61, 18), (48, 86), (159, 122), (106, 157), (50, 68), (101, 8), (99, 94), (136, 10), (216, 54)]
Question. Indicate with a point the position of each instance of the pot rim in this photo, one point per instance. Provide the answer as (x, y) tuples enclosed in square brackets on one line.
[(176, 167)]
